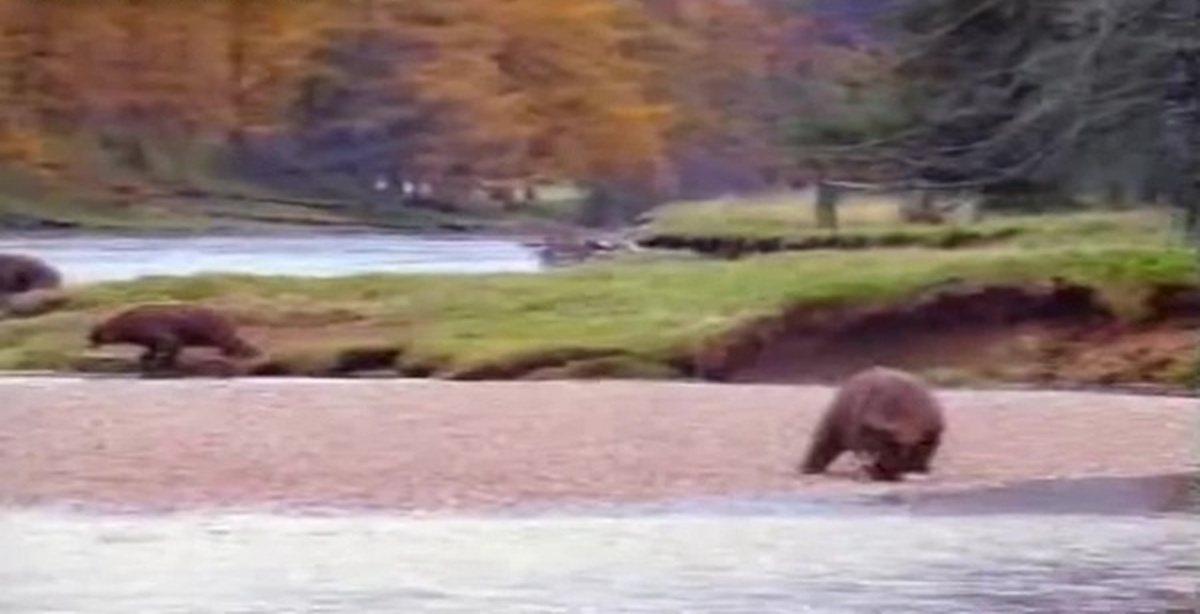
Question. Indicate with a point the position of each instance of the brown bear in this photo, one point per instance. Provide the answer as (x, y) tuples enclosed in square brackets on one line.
[(32, 303), (20, 274), (887, 417), (164, 330)]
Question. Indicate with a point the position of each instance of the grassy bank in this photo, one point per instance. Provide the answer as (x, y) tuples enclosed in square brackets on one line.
[(30, 205), (876, 220), (180, 188), (619, 318)]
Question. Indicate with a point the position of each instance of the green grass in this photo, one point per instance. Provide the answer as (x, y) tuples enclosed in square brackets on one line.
[(793, 217), (561, 202), (79, 192), (27, 197), (649, 310), (767, 216)]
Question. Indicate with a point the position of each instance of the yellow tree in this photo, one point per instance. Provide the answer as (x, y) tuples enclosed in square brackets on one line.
[(34, 84), (535, 86), (130, 74), (725, 68), (593, 90), (189, 68), (447, 73), (262, 51)]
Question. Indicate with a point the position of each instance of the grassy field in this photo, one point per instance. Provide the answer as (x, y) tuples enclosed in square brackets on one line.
[(793, 216), (214, 206), (183, 191), (642, 313)]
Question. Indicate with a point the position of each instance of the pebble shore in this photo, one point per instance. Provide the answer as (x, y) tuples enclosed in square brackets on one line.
[(398, 444)]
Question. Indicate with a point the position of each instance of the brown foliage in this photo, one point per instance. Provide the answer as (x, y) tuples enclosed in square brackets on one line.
[(589, 90)]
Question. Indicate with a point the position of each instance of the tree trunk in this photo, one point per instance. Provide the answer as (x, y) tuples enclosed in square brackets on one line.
[(612, 203), (827, 200), (1181, 119)]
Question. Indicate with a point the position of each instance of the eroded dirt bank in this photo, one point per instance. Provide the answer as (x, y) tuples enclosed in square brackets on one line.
[(726, 246), (1047, 333), (428, 444)]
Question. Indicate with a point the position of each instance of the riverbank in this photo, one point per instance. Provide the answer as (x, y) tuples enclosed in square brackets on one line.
[(148, 206), (439, 445), (1127, 316), (143, 221), (737, 227)]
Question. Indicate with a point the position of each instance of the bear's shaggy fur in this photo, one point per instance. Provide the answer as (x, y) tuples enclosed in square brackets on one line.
[(20, 274), (164, 330), (887, 417)]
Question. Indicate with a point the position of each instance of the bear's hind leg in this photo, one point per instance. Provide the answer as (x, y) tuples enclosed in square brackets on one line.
[(169, 350), (161, 355), (239, 348), (148, 358)]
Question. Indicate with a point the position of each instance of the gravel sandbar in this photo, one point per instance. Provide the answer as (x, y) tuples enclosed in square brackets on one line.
[(430, 444)]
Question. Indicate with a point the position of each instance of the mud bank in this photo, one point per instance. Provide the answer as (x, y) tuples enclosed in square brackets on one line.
[(1056, 333), (726, 246), (1052, 334)]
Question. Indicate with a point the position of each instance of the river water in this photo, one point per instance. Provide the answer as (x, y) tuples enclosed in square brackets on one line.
[(89, 258), (714, 558)]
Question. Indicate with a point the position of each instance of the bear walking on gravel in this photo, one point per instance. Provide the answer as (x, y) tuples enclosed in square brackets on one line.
[(887, 417), (164, 330)]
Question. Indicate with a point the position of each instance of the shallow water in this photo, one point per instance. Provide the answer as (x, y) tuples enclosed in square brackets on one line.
[(85, 259), (773, 558)]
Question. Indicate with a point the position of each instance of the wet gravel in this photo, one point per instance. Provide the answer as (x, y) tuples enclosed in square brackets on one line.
[(399, 444)]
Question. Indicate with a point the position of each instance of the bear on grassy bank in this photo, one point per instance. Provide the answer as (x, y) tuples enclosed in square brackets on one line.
[(32, 303), (28, 286), (164, 330), (20, 274), (886, 417)]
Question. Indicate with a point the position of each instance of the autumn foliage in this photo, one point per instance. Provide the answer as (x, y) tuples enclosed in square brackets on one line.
[(587, 90)]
